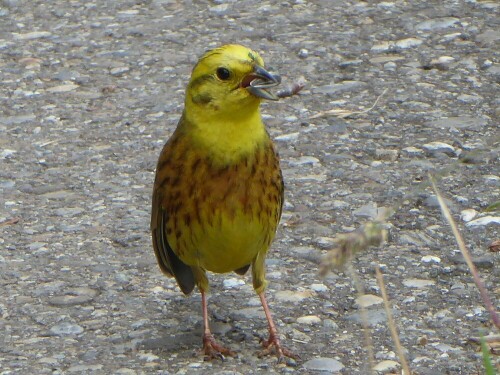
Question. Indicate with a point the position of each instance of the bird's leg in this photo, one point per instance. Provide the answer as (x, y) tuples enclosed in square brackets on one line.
[(210, 347), (273, 340)]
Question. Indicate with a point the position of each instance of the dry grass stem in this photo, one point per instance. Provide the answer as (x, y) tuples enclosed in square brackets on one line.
[(390, 322), (344, 113), (465, 253), (364, 318)]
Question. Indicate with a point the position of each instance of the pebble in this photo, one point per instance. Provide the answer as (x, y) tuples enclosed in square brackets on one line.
[(468, 215), (460, 122), (309, 320), (373, 316), (387, 155), (292, 296), (418, 283), (386, 365), (412, 151), (369, 210), (440, 147), (32, 35), (84, 369), (430, 259), (324, 243), (437, 23), (336, 89), (368, 300), (328, 365), (63, 88), (484, 221), (233, 283), (303, 53), (287, 137), (398, 44), (303, 160), (66, 329), (72, 297), (319, 287), (119, 70)]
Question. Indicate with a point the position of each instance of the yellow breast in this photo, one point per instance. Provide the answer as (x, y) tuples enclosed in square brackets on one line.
[(220, 217)]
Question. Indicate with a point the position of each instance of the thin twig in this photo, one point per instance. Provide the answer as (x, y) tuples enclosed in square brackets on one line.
[(390, 322), (465, 253), (12, 221), (343, 113)]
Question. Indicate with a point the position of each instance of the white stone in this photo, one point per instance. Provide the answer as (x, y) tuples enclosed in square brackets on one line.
[(309, 320), (418, 283), (484, 221), (386, 365), (468, 215), (430, 259), (63, 88), (319, 287), (367, 300)]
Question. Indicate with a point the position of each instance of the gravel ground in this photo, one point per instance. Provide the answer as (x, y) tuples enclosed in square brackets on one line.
[(89, 93)]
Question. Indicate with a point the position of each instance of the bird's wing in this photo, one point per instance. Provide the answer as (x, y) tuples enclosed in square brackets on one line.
[(168, 261)]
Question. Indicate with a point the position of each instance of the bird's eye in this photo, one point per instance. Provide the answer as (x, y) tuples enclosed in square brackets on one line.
[(223, 74)]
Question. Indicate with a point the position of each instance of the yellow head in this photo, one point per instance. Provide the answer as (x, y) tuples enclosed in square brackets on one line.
[(229, 82)]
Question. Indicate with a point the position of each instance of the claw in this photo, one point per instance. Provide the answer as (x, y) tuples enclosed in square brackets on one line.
[(273, 346), (213, 350)]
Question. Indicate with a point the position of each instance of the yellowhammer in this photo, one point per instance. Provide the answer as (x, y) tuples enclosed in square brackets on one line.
[(218, 191)]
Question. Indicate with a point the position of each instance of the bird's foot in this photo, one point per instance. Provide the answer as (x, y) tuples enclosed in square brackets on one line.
[(213, 350), (273, 346)]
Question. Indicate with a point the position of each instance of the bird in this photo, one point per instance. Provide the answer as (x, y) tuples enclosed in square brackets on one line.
[(218, 191)]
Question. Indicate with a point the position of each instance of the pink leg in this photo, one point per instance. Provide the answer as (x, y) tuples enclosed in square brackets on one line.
[(210, 347), (274, 339)]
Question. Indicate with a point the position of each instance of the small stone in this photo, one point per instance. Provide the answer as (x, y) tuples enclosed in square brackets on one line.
[(398, 44), (484, 221), (373, 317), (437, 23), (148, 357), (368, 300), (66, 329), (440, 147), (369, 210), (391, 66), (76, 296), (319, 287), (418, 283), (32, 35), (468, 215), (304, 160), (287, 137), (84, 369), (387, 155), (303, 53), (386, 365), (119, 70), (324, 243), (221, 8), (328, 365), (309, 320), (292, 296), (412, 151), (62, 88), (430, 259), (336, 89), (233, 283)]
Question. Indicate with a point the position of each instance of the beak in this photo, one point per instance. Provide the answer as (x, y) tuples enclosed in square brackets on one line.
[(259, 81)]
